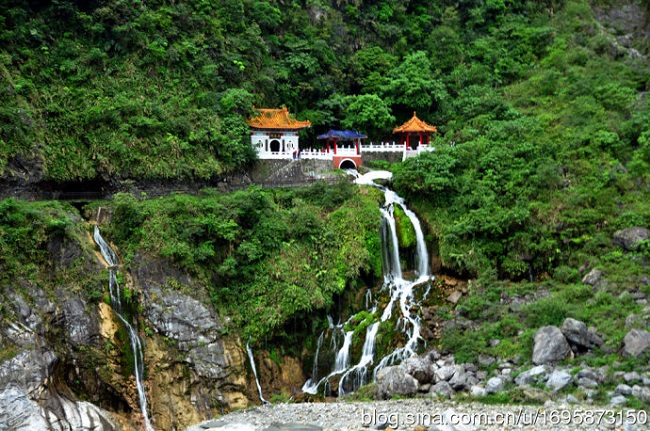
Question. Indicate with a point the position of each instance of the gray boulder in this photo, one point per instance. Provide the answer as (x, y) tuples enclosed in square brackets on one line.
[(460, 379), (550, 346), (445, 373), (578, 335), (420, 367), (395, 381), (494, 385), (641, 393), (478, 391), (623, 389), (585, 382), (536, 374), (632, 376), (590, 373), (593, 277), (486, 360), (636, 343), (443, 389), (558, 380), (630, 238)]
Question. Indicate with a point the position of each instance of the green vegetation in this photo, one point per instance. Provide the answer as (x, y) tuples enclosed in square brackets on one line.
[(123, 89), (26, 231), (538, 165), (543, 150), (268, 256)]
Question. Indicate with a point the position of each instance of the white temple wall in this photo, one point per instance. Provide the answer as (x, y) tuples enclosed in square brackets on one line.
[(262, 141)]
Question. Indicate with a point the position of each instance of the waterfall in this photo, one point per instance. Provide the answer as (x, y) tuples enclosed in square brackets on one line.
[(136, 345), (319, 344), (391, 247), (343, 356), (257, 381), (401, 290), (358, 372), (401, 293), (342, 361)]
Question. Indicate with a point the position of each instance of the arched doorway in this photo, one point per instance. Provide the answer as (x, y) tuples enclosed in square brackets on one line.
[(347, 164), (275, 146)]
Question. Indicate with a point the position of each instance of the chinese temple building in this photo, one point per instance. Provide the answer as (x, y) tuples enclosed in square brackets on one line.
[(414, 133), (274, 133)]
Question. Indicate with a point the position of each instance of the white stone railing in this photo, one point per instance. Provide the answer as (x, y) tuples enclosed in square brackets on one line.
[(322, 154), (316, 154), (382, 147), (346, 151)]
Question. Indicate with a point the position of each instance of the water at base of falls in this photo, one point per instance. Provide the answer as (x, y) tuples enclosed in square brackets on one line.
[(401, 293), (136, 345)]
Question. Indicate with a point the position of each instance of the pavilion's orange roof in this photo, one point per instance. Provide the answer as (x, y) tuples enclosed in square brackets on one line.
[(276, 119), (414, 125)]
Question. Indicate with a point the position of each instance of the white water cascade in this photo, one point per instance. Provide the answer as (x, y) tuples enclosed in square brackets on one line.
[(401, 294), (257, 380), (136, 345)]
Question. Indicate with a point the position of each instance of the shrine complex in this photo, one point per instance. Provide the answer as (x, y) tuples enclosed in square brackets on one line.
[(274, 135)]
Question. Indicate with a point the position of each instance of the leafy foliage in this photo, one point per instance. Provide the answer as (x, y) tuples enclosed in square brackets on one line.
[(268, 255), (120, 89), (25, 231)]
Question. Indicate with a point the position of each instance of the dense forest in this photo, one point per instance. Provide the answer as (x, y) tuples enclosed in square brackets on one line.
[(543, 150), (158, 89)]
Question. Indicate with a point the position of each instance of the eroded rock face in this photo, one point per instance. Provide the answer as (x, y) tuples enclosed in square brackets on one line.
[(192, 371), (208, 372), (81, 326), (27, 378)]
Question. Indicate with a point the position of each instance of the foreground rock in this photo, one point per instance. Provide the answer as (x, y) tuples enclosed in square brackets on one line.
[(24, 379), (550, 346), (395, 381), (579, 336)]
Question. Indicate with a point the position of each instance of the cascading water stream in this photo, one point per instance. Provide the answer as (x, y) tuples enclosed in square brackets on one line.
[(400, 290), (358, 372), (341, 363), (319, 344), (257, 381), (136, 345)]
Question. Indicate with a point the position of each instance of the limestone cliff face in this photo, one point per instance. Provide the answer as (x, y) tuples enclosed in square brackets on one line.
[(64, 357), (194, 372)]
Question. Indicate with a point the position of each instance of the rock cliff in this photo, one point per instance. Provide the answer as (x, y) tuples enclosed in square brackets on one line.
[(64, 361)]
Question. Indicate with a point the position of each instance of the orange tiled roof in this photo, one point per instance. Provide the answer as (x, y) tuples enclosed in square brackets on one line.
[(276, 119), (415, 125)]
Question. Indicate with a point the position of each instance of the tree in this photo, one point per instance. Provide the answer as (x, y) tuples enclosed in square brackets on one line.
[(367, 112), (413, 85)]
